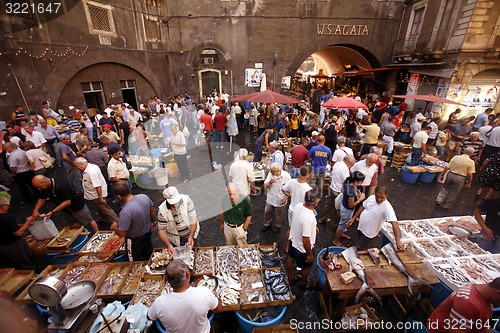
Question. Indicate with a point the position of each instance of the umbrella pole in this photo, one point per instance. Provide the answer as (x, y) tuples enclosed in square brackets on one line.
[(230, 143)]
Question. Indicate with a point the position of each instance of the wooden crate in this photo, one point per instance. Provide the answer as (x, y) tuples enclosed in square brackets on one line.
[(132, 278), (86, 248), (121, 268), (5, 274), (369, 312), (198, 249), (66, 233), (17, 280), (115, 238), (248, 246), (234, 307), (159, 270), (37, 246), (217, 259), (101, 256), (64, 275), (255, 285), (86, 275), (50, 270), (279, 302), (154, 293)]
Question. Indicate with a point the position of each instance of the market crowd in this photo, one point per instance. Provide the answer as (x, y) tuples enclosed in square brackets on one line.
[(338, 145)]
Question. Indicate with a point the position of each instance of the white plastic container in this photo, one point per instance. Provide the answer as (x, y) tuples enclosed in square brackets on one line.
[(44, 229)]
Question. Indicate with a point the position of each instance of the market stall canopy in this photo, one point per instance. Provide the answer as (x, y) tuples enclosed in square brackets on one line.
[(429, 98), (344, 103), (266, 96)]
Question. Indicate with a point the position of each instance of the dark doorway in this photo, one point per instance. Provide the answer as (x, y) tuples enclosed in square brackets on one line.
[(129, 97), (209, 81), (94, 100)]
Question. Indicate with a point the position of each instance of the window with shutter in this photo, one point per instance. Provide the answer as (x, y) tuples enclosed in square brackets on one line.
[(100, 19), (152, 28)]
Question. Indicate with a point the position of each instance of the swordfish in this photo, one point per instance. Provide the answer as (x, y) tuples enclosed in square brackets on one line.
[(356, 266), (390, 253)]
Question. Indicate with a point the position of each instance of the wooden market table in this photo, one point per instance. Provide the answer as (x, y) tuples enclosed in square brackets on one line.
[(385, 280)]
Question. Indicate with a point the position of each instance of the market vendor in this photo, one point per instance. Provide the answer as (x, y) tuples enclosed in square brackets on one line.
[(136, 220), (72, 205), (373, 213), (468, 309), (186, 308), (177, 220), (14, 251), (490, 227)]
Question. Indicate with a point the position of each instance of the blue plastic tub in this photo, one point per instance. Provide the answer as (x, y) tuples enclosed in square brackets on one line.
[(426, 177), (160, 327), (246, 326), (143, 179), (409, 177), (78, 244), (321, 271), (439, 293)]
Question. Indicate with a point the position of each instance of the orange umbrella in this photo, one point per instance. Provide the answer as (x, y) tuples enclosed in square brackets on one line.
[(344, 103)]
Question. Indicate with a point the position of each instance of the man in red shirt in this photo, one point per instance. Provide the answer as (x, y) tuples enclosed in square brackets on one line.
[(220, 126), (299, 156), (468, 309)]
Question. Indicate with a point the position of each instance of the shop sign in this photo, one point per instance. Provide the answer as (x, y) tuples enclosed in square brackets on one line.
[(343, 29)]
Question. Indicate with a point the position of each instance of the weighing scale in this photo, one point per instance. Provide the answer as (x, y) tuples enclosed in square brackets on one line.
[(67, 306)]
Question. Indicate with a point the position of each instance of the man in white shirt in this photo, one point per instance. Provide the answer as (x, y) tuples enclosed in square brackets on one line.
[(416, 126), (133, 118), (339, 174), (302, 239), (375, 211), (276, 154), (117, 169), (35, 137), (276, 199), (186, 308), (419, 146), (95, 189), (241, 173), (367, 167), (178, 144), (341, 150)]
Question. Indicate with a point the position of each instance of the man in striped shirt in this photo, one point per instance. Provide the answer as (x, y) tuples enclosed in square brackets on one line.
[(476, 143), (74, 127)]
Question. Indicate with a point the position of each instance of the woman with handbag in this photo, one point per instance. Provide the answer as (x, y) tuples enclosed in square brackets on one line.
[(35, 157), (351, 197)]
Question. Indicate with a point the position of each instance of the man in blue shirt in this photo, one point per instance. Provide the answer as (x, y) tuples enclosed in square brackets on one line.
[(319, 155), (482, 119)]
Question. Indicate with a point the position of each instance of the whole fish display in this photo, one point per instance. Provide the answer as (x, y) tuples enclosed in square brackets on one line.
[(390, 253), (374, 254), (276, 285), (356, 266), (270, 257)]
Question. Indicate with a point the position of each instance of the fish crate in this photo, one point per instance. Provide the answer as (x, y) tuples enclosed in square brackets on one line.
[(242, 257), (265, 258), (5, 274), (247, 288), (73, 272), (157, 264), (116, 271), (360, 324), (198, 271), (468, 246), (232, 266), (97, 242), (37, 246), (113, 244), (468, 222), (269, 288), (439, 268), (231, 307), (93, 257), (476, 269), (428, 228), (410, 247), (50, 270), (389, 233), (17, 280), (448, 244), (430, 249), (131, 283), (95, 272), (148, 290), (64, 240)]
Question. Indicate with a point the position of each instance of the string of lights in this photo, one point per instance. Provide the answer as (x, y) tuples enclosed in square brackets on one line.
[(47, 53), (424, 80)]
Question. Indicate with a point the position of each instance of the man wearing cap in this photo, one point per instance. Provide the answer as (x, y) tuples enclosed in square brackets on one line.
[(136, 220), (419, 145), (459, 132), (110, 134), (235, 216), (416, 126), (313, 140), (177, 221), (241, 173)]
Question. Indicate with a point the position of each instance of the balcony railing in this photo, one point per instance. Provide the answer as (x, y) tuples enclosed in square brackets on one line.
[(423, 42), (494, 40)]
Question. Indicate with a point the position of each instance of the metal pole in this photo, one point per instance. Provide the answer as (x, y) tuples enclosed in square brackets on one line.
[(19, 86)]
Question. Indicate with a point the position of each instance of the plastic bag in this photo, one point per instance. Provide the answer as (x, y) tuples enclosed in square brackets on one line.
[(44, 229), (338, 201)]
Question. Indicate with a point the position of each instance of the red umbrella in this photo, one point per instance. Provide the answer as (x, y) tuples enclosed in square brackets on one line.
[(344, 103), (429, 98), (266, 96)]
